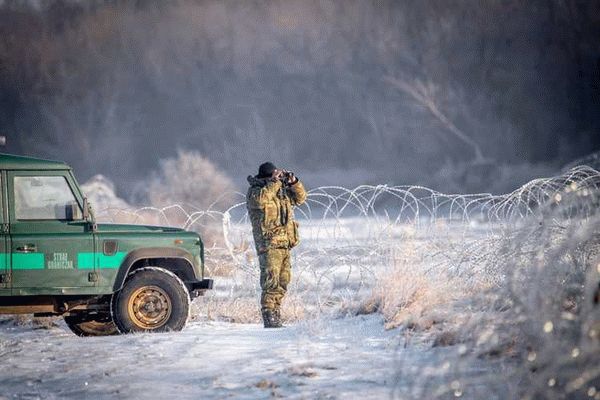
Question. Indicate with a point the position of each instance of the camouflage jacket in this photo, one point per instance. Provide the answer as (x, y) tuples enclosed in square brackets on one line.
[(270, 207)]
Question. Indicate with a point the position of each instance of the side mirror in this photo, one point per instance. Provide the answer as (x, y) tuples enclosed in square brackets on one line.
[(72, 212)]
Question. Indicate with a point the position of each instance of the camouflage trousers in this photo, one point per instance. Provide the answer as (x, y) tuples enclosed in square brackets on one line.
[(275, 275)]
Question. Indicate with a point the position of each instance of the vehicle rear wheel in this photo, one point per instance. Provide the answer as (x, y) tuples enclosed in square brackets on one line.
[(152, 299), (83, 325)]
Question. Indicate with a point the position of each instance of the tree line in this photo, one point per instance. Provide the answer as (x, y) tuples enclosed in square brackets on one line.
[(447, 93)]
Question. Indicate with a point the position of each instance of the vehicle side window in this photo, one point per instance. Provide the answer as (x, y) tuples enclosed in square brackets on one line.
[(45, 198)]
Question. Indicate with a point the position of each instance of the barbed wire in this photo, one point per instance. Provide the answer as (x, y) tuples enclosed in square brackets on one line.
[(409, 203)]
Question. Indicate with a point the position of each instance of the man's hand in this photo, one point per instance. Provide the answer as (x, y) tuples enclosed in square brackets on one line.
[(277, 174)]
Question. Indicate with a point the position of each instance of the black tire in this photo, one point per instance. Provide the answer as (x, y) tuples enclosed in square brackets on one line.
[(83, 325), (151, 300)]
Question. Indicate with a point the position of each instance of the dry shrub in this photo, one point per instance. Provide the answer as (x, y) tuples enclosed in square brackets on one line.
[(405, 294), (101, 194), (20, 319), (414, 292), (45, 322), (189, 191), (234, 308), (294, 308), (219, 266), (244, 307), (192, 181), (27, 320), (211, 232)]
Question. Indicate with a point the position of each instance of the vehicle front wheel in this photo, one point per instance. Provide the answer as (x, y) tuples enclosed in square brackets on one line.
[(152, 299), (83, 325)]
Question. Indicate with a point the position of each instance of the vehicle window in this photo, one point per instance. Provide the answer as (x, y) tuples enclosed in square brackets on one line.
[(45, 197)]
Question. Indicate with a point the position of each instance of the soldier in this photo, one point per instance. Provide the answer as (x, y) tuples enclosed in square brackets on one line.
[(270, 200)]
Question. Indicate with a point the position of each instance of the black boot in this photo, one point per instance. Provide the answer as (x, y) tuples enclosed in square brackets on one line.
[(277, 319), (268, 319)]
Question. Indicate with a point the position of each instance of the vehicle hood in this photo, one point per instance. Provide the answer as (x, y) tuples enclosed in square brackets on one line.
[(137, 228)]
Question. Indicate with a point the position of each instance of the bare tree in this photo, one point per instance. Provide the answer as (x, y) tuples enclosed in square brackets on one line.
[(423, 94)]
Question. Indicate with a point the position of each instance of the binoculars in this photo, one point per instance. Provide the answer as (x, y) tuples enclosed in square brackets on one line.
[(287, 177)]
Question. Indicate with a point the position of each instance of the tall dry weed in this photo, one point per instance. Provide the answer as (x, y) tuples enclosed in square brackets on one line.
[(409, 289)]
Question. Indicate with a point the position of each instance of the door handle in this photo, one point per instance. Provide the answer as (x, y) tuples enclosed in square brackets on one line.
[(27, 248)]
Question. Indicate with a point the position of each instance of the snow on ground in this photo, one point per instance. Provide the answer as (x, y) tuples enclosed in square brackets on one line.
[(343, 358), (320, 359)]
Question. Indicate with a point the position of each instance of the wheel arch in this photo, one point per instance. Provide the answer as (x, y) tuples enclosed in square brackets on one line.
[(177, 261)]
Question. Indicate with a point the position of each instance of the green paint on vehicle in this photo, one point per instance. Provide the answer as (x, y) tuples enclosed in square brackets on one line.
[(65, 251), (25, 261), (112, 262), (22, 261), (86, 260)]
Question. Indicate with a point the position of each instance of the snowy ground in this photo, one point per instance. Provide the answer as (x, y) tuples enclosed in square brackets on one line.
[(347, 357), (344, 358)]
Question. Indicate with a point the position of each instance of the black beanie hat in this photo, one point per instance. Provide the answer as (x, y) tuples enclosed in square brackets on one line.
[(266, 170)]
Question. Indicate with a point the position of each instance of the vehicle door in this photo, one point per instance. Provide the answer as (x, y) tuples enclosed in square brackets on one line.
[(52, 247)]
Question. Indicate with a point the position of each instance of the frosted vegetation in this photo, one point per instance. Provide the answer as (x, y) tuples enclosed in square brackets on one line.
[(507, 279)]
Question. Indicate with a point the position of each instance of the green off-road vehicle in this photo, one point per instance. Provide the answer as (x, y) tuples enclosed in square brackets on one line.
[(102, 278)]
